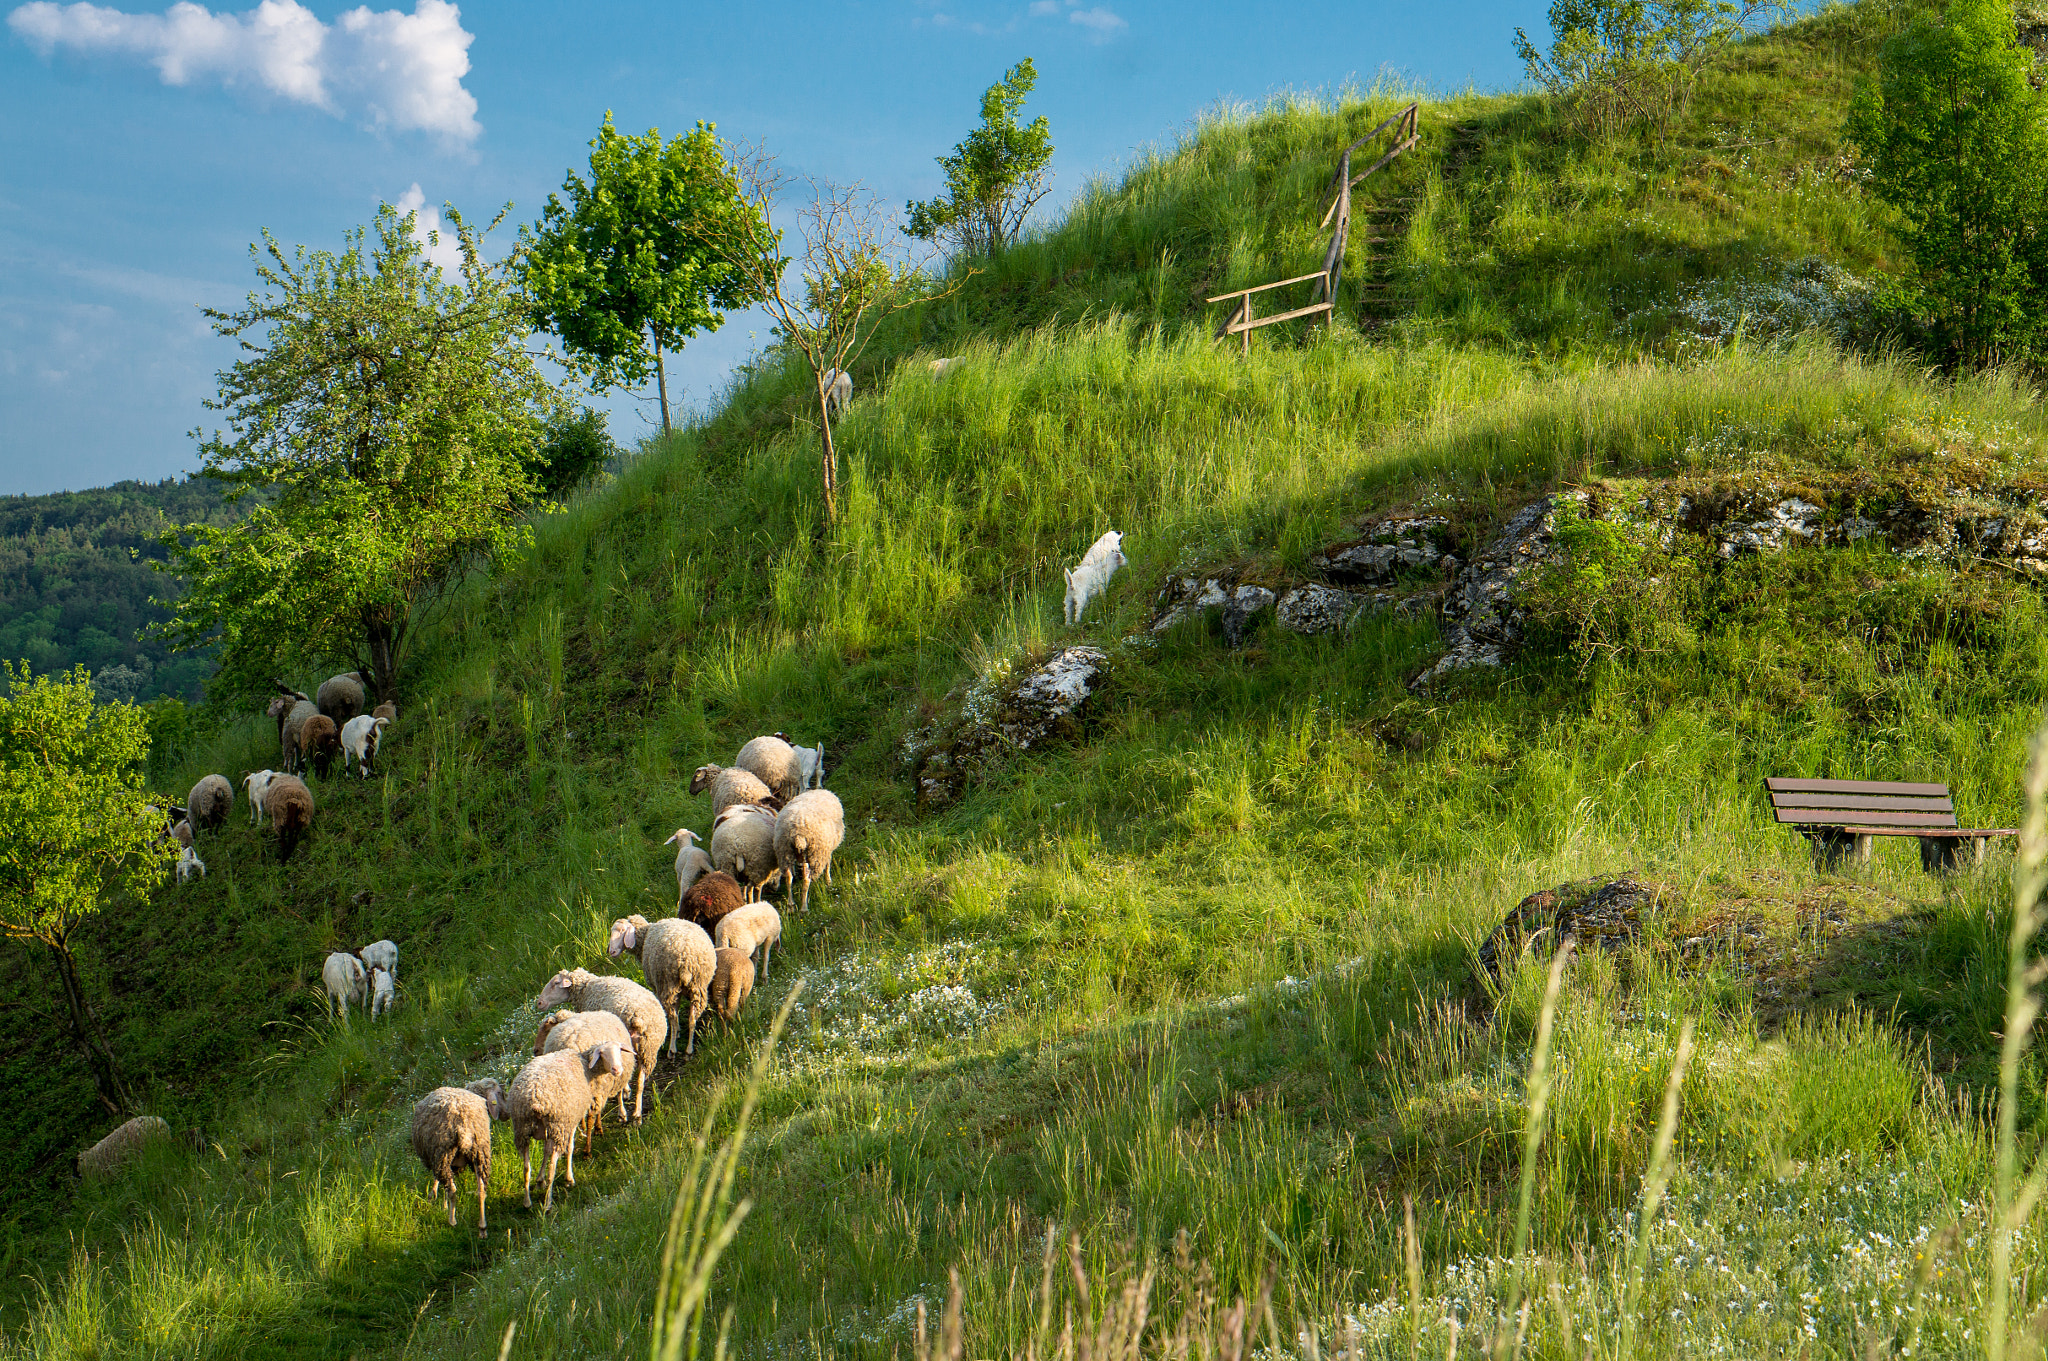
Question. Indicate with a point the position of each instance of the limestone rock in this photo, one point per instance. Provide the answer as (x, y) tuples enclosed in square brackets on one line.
[(1605, 913), (1394, 548), (1240, 604), (999, 716), (1482, 624)]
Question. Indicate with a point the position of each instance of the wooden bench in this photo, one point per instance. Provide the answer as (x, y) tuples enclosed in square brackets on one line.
[(1838, 818)]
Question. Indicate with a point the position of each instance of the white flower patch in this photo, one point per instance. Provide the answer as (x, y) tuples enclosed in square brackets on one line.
[(1805, 295), (872, 1005)]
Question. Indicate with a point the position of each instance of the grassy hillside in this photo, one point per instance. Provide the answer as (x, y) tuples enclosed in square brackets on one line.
[(1207, 969)]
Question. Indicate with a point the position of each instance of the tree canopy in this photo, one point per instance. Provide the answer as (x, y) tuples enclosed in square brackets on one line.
[(1957, 141), (392, 413), (994, 177), (74, 827), (631, 264)]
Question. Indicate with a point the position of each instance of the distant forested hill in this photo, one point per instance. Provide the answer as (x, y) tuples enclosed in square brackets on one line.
[(76, 581)]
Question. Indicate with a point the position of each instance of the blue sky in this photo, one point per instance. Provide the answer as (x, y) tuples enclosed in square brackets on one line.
[(142, 150)]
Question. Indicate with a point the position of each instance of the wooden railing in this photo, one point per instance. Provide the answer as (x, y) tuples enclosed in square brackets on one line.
[(1241, 322)]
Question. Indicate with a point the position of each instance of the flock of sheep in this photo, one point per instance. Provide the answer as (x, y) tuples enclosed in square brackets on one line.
[(774, 826)]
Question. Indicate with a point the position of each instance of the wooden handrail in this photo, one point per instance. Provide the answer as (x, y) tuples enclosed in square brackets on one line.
[(1242, 292), (1412, 108), (1236, 327)]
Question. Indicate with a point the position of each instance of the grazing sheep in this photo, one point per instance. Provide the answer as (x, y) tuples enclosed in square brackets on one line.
[(731, 984), (807, 831), (360, 740), (1090, 576), (112, 1153), (548, 1100), (939, 368), (451, 1133), (190, 866), (295, 721), (210, 802), (341, 697), (692, 863), (774, 762), (386, 710), (810, 763), (258, 784), (283, 705), (380, 954), (289, 805), (838, 392), (754, 927), (181, 832), (577, 1031), (381, 991), (711, 897), (342, 976), (640, 1009), (677, 958), (743, 845), (729, 785), (319, 744)]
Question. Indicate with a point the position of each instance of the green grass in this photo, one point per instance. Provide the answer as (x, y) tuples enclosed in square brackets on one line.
[(1205, 971)]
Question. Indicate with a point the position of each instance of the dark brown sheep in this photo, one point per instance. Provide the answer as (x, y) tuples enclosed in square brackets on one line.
[(319, 744), (289, 805), (711, 897)]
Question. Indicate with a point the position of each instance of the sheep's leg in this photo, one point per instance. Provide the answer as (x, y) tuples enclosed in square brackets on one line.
[(482, 1226), (696, 1010), (547, 1202), (669, 1008), (526, 1152), (807, 891), (639, 1092), (453, 1196), (767, 949), (572, 1155)]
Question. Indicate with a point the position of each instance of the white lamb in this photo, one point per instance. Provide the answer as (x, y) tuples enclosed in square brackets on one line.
[(190, 866), (382, 954), (381, 994), (342, 976), (838, 391), (692, 862), (257, 782), (360, 740), (941, 367), (1090, 576)]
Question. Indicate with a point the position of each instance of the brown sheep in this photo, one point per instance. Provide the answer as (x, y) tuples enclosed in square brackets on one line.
[(731, 985), (319, 744), (711, 897), (385, 710), (289, 806)]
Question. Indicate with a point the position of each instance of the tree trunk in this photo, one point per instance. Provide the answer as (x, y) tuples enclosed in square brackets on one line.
[(661, 385), (85, 1030), (383, 643), (831, 460)]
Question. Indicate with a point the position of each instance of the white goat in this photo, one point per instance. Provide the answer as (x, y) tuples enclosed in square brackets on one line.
[(360, 740), (1090, 576), (380, 991), (838, 391), (257, 782), (190, 866)]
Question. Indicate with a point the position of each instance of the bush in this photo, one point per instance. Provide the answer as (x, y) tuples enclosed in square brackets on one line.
[(574, 447)]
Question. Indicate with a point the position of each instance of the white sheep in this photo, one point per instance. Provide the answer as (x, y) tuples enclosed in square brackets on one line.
[(677, 958), (110, 1154), (1090, 576), (774, 762), (210, 802), (190, 866), (743, 845), (341, 697), (729, 785), (293, 728), (640, 1009), (360, 740), (808, 830), (754, 928), (939, 368), (381, 954), (810, 764), (381, 994), (838, 385), (257, 782), (577, 1031), (451, 1133), (548, 1100), (342, 976), (692, 862)]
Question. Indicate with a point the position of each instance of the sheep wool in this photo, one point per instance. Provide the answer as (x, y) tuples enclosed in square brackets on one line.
[(711, 897), (692, 863), (380, 954), (289, 805), (451, 1134), (382, 992), (281, 706), (210, 802), (743, 845), (547, 1101), (774, 762), (385, 710), (576, 1031), (640, 1009), (343, 978), (302, 713), (677, 958), (341, 697), (731, 984), (807, 831), (756, 926), (319, 744), (257, 783), (729, 785), (112, 1153)]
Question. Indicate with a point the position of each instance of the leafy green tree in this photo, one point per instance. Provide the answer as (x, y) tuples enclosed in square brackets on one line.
[(1613, 62), (74, 828), (575, 445), (994, 176), (389, 414), (1956, 141), (630, 267)]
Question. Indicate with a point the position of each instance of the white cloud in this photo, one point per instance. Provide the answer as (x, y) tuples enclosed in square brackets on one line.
[(396, 70), (446, 252), (1041, 8), (1102, 22)]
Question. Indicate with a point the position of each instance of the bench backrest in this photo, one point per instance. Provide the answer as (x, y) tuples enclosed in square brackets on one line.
[(1861, 803)]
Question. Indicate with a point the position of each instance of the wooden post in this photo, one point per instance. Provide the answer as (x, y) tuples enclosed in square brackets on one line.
[(1246, 348)]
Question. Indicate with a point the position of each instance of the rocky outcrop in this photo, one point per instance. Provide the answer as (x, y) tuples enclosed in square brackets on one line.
[(1000, 715), (1605, 913), (1239, 604), (1482, 623), (1398, 547)]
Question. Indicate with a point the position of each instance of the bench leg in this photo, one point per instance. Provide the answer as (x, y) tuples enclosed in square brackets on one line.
[(1832, 846), (1944, 854)]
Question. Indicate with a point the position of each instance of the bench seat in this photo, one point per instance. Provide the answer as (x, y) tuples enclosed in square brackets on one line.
[(1839, 818)]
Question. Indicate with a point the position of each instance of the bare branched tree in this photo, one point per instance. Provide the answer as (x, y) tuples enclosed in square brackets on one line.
[(827, 302)]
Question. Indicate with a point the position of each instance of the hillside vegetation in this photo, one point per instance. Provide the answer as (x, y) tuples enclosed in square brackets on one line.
[(1197, 986)]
